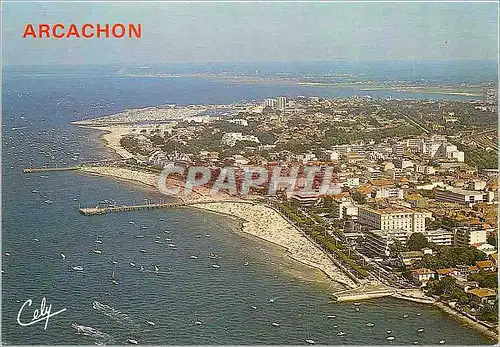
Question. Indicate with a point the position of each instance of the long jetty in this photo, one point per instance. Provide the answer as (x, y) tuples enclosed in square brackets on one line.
[(97, 210), (50, 169)]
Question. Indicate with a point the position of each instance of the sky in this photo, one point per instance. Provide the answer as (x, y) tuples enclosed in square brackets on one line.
[(256, 32)]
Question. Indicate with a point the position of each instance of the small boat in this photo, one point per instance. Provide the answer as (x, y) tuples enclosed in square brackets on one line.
[(331, 316), (151, 323), (132, 341), (198, 236), (98, 241), (340, 333), (216, 266), (78, 268), (415, 342), (171, 245), (142, 268), (405, 316), (139, 236), (194, 257), (97, 251), (207, 235), (272, 299), (132, 264), (48, 201), (246, 263), (144, 227), (335, 326), (442, 342), (421, 330), (158, 241), (310, 341), (370, 325), (156, 268), (7, 254), (357, 304), (131, 222), (390, 338), (63, 256), (274, 324), (389, 331), (115, 282), (419, 314), (143, 251), (254, 307), (197, 322), (35, 191), (356, 309), (114, 262)]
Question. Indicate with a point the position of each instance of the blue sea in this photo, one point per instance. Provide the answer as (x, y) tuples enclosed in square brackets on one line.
[(189, 301)]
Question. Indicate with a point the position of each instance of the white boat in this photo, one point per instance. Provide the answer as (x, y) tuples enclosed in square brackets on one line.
[(78, 268), (310, 341), (216, 266), (272, 299), (96, 251), (197, 322), (132, 341), (143, 251), (156, 268), (7, 254), (421, 330), (246, 263), (115, 282), (207, 235), (389, 331), (335, 326), (158, 241), (442, 342), (63, 256), (194, 257), (132, 264), (370, 325), (390, 338), (357, 304), (331, 316), (36, 240), (151, 323), (356, 309), (415, 342), (139, 236), (340, 333), (171, 245), (254, 307), (405, 316), (98, 241), (48, 201), (274, 324), (144, 227), (131, 222), (419, 314)]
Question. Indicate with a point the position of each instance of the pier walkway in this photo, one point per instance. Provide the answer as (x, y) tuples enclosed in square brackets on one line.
[(50, 169), (90, 211)]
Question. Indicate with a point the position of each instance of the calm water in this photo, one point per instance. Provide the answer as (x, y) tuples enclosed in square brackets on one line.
[(36, 131)]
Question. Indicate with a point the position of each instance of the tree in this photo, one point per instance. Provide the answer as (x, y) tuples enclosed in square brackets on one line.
[(417, 241), (396, 247), (358, 197)]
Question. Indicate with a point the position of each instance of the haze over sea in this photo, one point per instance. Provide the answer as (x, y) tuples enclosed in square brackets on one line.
[(38, 106)]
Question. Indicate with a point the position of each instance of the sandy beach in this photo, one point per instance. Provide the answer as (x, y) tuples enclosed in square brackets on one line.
[(111, 136), (269, 225)]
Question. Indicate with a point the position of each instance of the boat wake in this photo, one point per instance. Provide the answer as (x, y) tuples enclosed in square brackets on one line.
[(112, 313), (100, 337)]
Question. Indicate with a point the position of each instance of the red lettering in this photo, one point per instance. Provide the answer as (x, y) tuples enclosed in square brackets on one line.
[(84, 31), (114, 31), (54, 31), (29, 31), (73, 31), (104, 31), (137, 31), (43, 29)]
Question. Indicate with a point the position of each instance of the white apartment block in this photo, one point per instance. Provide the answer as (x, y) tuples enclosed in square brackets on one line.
[(463, 197), (391, 219), (441, 237), (465, 237), (230, 139)]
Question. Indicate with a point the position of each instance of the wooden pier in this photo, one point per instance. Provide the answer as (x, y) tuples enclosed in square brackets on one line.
[(49, 169), (90, 211)]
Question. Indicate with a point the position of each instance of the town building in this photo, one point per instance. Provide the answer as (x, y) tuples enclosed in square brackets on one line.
[(466, 236), (391, 219), (464, 197)]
